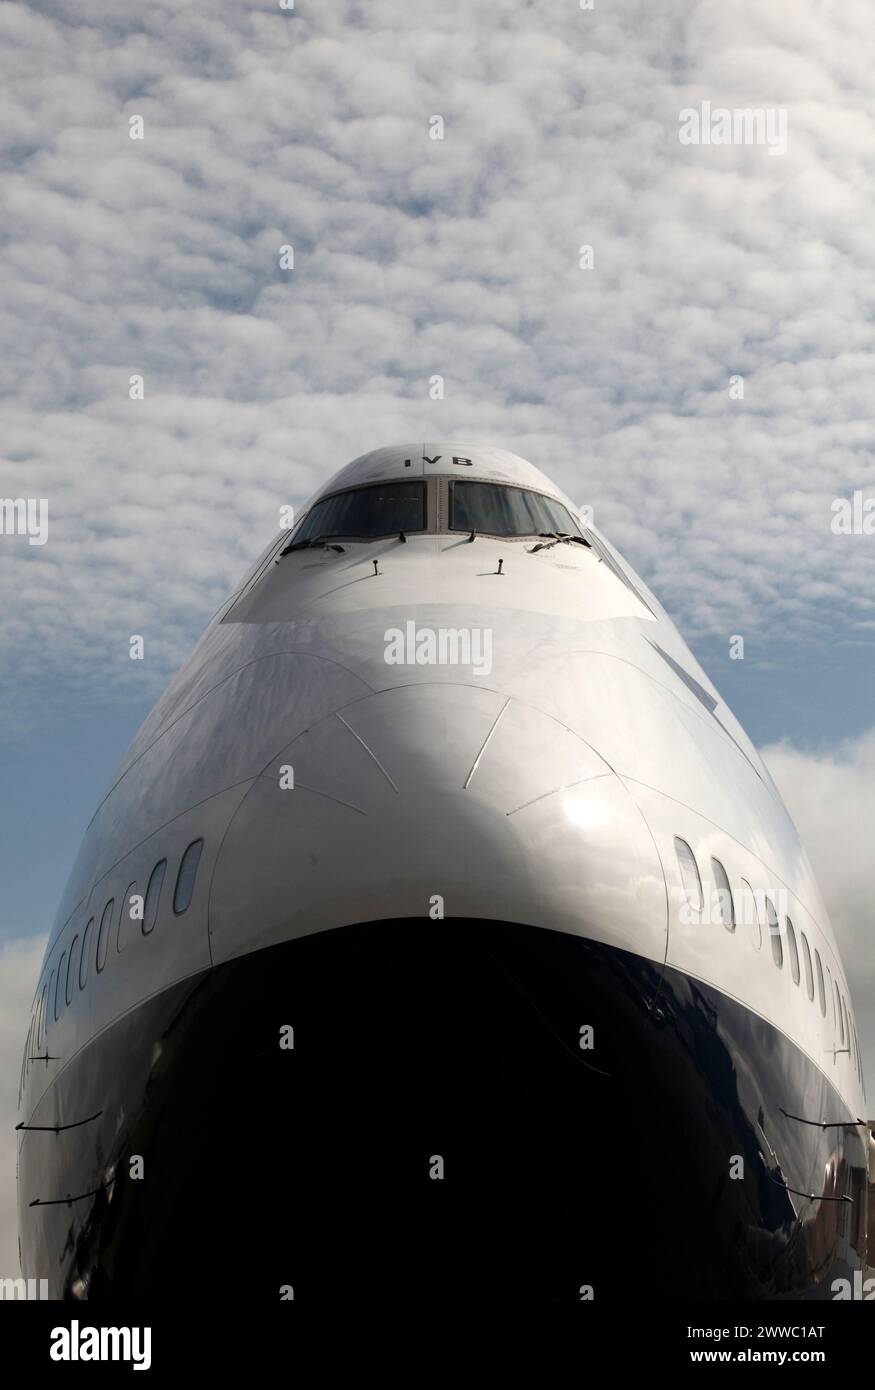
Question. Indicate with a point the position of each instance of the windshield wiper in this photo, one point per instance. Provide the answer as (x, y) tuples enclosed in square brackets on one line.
[(551, 538), (317, 541)]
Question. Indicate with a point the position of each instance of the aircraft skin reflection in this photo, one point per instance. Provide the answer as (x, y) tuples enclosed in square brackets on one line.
[(438, 848)]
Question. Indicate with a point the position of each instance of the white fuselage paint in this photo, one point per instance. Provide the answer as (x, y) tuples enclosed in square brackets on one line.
[(548, 790)]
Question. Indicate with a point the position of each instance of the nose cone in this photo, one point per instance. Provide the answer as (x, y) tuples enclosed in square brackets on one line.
[(437, 800)]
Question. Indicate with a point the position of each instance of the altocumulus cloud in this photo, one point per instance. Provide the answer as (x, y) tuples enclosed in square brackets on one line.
[(417, 257)]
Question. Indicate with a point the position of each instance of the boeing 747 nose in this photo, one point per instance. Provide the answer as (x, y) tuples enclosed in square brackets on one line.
[(442, 935)]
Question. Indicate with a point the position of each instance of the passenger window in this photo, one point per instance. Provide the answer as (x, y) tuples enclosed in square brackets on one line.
[(750, 914), (821, 993), (775, 934), (726, 906), (153, 895), (832, 997), (806, 961), (794, 951), (86, 947), (72, 967), (689, 874), (185, 879), (59, 987), (125, 920), (25, 1065), (103, 934)]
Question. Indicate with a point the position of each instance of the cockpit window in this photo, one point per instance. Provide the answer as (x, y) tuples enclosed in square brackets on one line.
[(498, 510), (365, 513)]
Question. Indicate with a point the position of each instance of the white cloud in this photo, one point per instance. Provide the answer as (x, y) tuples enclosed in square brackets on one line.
[(416, 256), (19, 969), (831, 797)]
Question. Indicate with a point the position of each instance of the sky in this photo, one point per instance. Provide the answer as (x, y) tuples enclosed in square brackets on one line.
[(415, 257)]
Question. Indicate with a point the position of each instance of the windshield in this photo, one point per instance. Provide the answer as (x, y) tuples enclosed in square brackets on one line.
[(507, 511), (365, 513)]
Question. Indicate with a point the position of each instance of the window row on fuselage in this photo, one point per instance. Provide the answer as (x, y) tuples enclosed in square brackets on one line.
[(87, 953), (755, 908)]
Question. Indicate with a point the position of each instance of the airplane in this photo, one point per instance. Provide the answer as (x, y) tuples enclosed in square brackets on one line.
[(442, 936)]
